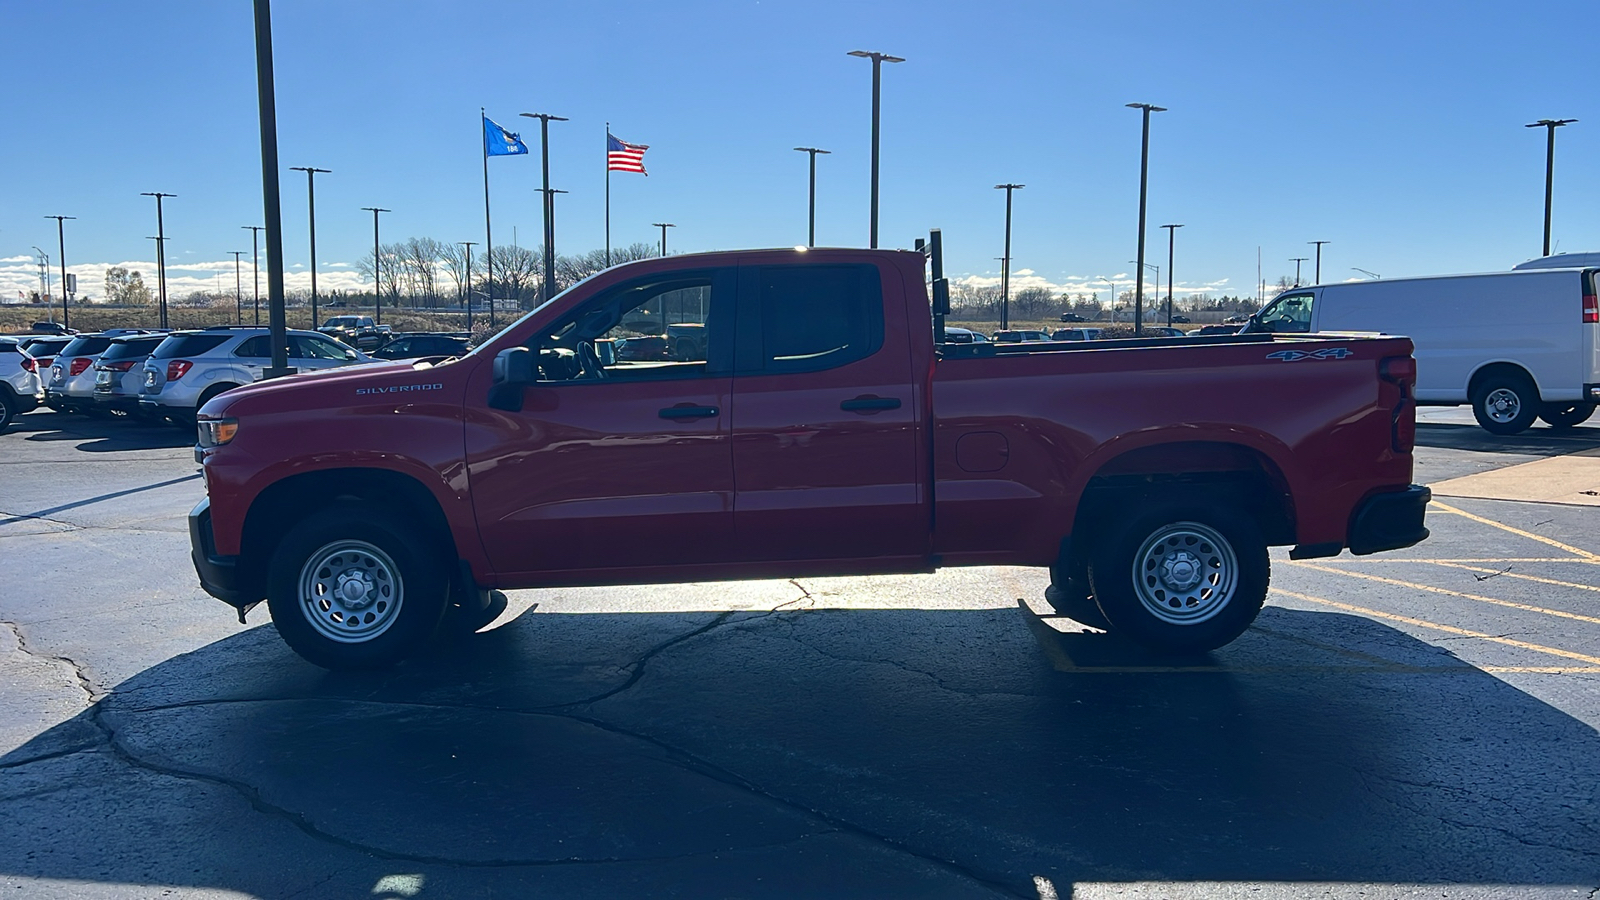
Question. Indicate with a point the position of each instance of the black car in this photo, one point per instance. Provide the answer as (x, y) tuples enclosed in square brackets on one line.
[(412, 346), (1180, 320), (51, 328), (1074, 317)]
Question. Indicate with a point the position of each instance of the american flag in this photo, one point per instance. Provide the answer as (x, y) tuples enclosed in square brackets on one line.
[(622, 156)]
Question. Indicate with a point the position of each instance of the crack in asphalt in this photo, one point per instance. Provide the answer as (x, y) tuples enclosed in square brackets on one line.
[(80, 678), (1364, 778)]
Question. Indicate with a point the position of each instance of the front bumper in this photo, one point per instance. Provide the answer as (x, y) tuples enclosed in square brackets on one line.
[(1390, 521), (220, 576)]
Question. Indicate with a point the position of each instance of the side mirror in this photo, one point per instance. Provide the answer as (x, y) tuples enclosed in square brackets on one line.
[(513, 369), (350, 355), (606, 353)]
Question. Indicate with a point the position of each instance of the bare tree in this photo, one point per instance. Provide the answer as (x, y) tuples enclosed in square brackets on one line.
[(516, 273), (453, 259)]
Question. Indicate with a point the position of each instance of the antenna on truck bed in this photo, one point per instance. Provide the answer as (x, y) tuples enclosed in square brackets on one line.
[(934, 250)]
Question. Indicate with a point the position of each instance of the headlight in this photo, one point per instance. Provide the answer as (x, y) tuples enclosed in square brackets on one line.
[(216, 432)]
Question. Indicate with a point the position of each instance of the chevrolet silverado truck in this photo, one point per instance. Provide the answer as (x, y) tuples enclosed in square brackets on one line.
[(828, 429)]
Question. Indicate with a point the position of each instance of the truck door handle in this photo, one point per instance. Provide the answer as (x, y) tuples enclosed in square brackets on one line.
[(689, 412), (861, 404)]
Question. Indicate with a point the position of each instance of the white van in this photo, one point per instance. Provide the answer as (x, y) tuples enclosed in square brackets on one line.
[(1516, 345)]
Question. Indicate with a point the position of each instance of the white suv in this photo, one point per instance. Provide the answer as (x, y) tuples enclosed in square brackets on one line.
[(191, 367), (20, 389)]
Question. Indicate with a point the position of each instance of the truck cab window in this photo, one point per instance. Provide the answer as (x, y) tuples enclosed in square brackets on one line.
[(818, 317), (1289, 314), (642, 331)]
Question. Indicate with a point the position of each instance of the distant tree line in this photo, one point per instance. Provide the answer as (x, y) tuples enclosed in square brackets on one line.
[(425, 272)]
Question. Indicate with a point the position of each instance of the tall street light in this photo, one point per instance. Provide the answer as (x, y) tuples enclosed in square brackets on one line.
[(272, 210), (1111, 289), (468, 245), (1005, 263), (663, 226), (1144, 172), (1319, 259), (377, 283), (1550, 126), (61, 245), (44, 278), (161, 253), (238, 289), (549, 199), (1171, 230), (1142, 267), (811, 232), (549, 289), (1297, 260), (255, 263), (878, 59), (311, 201)]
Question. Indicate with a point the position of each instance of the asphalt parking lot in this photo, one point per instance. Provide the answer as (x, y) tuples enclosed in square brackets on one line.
[(1416, 724)]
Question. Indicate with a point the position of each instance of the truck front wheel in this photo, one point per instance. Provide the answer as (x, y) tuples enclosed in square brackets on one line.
[(350, 588), (1070, 595), (1181, 577)]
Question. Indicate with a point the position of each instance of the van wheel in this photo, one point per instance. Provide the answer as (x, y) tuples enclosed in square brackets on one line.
[(1562, 416), (351, 587), (1506, 404), (1069, 593), (1182, 577)]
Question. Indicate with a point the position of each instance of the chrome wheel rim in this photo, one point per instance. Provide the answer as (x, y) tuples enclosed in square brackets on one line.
[(1185, 573), (350, 591), (1502, 405)]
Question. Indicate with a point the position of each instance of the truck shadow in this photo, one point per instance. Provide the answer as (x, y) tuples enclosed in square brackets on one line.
[(829, 752), (101, 433), (1536, 441)]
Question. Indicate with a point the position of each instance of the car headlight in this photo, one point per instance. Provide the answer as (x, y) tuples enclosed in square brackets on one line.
[(216, 432)]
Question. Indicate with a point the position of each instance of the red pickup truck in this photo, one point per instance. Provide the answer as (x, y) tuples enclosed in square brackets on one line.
[(826, 429)]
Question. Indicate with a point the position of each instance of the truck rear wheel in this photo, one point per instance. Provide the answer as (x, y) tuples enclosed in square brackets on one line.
[(351, 588), (1506, 403), (1181, 577), (1562, 416)]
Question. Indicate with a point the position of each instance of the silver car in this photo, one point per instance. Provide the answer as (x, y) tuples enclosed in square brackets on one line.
[(190, 367), (20, 390), (119, 373), (71, 384)]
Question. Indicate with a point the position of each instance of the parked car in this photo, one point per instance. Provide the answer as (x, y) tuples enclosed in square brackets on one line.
[(1180, 319), (368, 505), (1235, 320), (1017, 336), (119, 372), (20, 390), (1076, 334), (957, 335), (643, 348), (1163, 331), (1533, 358), (1215, 329), (44, 350), (51, 328), (413, 346), (1072, 317), (188, 368), (71, 384), (359, 332)]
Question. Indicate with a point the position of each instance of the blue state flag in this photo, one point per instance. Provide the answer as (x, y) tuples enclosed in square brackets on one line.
[(499, 142)]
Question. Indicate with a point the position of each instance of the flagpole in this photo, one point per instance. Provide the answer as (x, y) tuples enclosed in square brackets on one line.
[(488, 234), (608, 195)]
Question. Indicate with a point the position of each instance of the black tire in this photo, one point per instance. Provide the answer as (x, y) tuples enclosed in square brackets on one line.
[(1562, 416), (208, 393), (1506, 403), (402, 588), (1070, 595), (1215, 581), (8, 412)]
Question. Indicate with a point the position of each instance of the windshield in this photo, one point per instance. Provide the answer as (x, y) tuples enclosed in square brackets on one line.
[(1289, 314)]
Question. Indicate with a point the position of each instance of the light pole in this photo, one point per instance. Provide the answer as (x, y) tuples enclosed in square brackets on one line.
[(61, 245), (811, 232), (1005, 262), (467, 297), (1318, 270), (1550, 126), (1365, 272), (1111, 289), (311, 199), (238, 290), (549, 199), (161, 253), (1171, 230), (663, 226), (878, 59), (44, 278), (1297, 260), (1144, 173), (549, 289), (1138, 312), (377, 283), (255, 264)]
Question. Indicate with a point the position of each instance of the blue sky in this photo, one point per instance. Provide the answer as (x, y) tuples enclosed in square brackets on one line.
[(1393, 130)]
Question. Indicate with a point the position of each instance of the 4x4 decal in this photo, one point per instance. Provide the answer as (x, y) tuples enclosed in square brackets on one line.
[(1324, 353)]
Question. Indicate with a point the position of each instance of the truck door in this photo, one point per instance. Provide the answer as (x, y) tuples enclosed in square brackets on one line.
[(620, 455), (825, 431)]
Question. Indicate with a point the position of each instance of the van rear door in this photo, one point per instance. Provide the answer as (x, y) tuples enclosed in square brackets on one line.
[(1591, 334)]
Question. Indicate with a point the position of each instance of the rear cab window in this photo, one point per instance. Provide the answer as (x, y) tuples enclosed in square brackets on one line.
[(808, 318)]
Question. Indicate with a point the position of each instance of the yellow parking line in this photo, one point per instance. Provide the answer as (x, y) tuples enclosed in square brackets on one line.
[(1496, 559), (1585, 554), (1448, 629), (1449, 593), (1499, 573)]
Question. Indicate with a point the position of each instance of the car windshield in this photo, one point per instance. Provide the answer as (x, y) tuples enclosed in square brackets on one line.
[(187, 345)]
